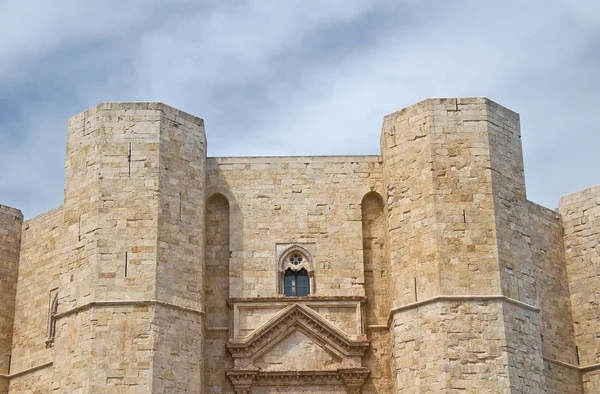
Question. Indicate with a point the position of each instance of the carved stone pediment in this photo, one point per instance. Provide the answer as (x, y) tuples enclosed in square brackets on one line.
[(301, 333), (297, 317), (306, 355)]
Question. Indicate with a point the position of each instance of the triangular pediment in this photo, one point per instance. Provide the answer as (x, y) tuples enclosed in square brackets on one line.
[(297, 352), (297, 318), (281, 353)]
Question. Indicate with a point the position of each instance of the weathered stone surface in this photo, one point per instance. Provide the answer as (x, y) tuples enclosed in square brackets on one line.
[(581, 223), (11, 221), (428, 271)]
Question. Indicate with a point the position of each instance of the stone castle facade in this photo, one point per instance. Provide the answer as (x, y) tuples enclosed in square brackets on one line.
[(422, 270)]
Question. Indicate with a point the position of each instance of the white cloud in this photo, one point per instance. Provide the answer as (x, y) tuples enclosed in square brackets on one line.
[(312, 77)]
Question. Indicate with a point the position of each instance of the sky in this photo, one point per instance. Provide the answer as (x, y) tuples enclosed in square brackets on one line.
[(298, 77)]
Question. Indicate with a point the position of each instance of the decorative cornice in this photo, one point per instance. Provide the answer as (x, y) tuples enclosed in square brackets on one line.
[(242, 380), (461, 298), (298, 378), (352, 378), (291, 300)]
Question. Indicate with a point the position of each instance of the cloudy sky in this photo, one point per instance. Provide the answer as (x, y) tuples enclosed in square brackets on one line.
[(298, 77)]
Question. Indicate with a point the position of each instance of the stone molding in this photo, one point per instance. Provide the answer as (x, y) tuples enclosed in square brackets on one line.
[(584, 369), (352, 378), (27, 371), (460, 298), (217, 329), (94, 304), (282, 298), (590, 368)]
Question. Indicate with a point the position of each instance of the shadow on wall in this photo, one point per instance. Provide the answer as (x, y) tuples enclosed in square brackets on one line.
[(218, 253)]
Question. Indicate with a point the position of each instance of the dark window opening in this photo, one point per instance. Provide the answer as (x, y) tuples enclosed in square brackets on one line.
[(296, 283)]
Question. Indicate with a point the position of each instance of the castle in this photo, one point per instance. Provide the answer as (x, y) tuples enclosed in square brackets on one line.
[(422, 270)]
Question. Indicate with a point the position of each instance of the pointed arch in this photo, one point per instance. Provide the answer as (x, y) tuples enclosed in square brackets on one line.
[(374, 258), (374, 235), (307, 262), (296, 272), (216, 291)]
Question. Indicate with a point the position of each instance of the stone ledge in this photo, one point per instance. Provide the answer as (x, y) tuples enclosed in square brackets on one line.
[(309, 299), (590, 368), (587, 368), (450, 298), (94, 304), (217, 329), (27, 371)]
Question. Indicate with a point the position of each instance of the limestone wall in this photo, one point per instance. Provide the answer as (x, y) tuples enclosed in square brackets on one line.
[(216, 282), (441, 227), (180, 261), (454, 175), (110, 220), (515, 256), (124, 254), (39, 277), (412, 247), (581, 221), (312, 201), (285, 200), (544, 237), (11, 221), (430, 251), (376, 267)]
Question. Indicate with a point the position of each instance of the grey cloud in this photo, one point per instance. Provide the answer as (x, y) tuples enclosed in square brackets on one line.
[(299, 77)]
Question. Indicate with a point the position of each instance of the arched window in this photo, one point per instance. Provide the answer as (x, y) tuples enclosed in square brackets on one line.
[(296, 283), (296, 272)]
